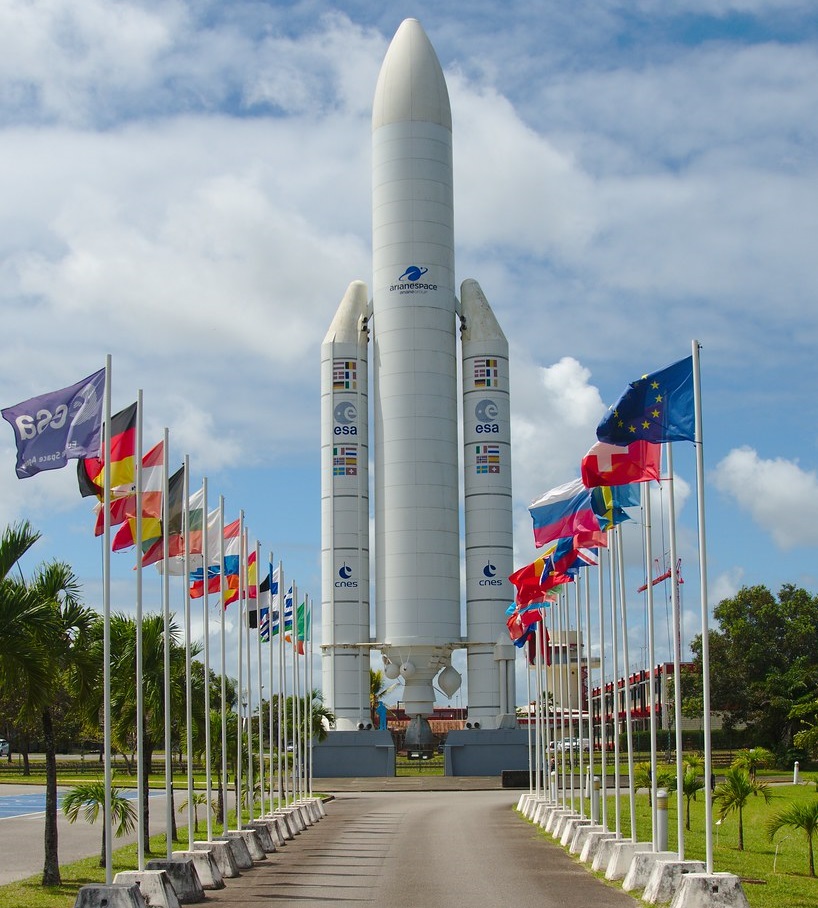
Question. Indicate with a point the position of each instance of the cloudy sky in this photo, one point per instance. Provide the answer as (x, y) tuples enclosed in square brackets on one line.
[(186, 186)]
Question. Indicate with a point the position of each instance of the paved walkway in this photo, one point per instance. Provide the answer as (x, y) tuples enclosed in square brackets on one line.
[(424, 849)]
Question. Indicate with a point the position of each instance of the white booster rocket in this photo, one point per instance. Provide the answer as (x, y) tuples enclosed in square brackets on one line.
[(413, 319)]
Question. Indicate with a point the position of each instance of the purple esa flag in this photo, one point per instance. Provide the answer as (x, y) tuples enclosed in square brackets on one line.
[(58, 426)]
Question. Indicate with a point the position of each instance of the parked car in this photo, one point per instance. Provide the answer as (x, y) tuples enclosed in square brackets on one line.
[(5, 747)]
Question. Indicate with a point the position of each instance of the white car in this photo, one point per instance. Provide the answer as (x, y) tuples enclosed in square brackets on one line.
[(5, 747)]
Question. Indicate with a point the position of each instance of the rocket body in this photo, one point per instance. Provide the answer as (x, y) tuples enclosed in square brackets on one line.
[(413, 324)]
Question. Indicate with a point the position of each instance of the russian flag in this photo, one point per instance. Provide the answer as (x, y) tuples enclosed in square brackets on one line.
[(565, 510)]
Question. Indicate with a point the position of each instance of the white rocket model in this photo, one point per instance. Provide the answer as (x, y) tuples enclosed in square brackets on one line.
[(413, 317)]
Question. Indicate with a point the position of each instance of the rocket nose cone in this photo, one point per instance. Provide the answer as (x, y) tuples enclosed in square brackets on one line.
[(411, 85)]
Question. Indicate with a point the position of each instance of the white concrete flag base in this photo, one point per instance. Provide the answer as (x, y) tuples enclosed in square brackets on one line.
[(603, 854), (209, 874), (666, 879), (591, 846), (622, 856), (154, 885), (98, 895), (581, 833), (222, 854), (642, 867), (710, 890)]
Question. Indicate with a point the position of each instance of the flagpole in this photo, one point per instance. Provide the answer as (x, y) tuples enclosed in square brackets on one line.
[(166, 641), (615, 668), (206, 631), (580, 759), (708, 755), (270, 722), (222, 636), (589, 696), (281, 741), (308, 631), (188, 681), (140, 694), (537, 761), (565, 617), (239, 671), (654, 765), (260, 687), (623, 612), (677, 656), (246, 599), (106, 611), (603, 697)]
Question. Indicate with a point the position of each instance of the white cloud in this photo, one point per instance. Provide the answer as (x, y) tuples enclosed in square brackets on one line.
[(776, 493)]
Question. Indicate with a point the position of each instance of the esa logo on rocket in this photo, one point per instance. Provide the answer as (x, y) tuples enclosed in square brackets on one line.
[(486, 413), (346, 581), (490, 575), (346, 414)]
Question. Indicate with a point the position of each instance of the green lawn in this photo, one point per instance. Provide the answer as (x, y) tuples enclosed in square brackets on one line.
[(788, 886)]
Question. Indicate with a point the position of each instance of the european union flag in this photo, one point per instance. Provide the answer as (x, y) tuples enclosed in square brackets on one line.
[(656, 408)]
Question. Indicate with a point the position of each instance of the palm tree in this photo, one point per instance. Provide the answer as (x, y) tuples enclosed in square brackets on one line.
[(754, 759), (692, 783), (198, 800), (44, 655), (22, 669), (798, 816), (376, 688), (89, 798), (732, 795)]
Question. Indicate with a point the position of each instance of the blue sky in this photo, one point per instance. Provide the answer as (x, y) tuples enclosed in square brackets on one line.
[(186, 186)]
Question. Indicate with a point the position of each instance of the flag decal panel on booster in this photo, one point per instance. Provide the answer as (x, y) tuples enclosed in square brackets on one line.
[(412, 321)]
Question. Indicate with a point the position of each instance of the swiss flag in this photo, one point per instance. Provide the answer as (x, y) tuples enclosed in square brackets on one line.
[(618, 465)]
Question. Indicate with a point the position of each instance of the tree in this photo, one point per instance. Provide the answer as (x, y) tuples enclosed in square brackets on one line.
[(44, 655), (692, 784), (798, 816), (89, 798), (22, 669), (754, 759), (732, 795), (764, 661), (123, 688), (198, 800)]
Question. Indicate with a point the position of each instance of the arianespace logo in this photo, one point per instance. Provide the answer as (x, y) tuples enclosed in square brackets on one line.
[(345, 580), (490, 576), (345, 413), (410, 281)]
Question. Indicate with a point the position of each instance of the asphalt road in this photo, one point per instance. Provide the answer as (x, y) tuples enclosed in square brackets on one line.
[(425, 849), (21, 837)]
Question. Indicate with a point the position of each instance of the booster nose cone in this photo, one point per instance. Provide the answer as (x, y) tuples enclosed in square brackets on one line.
[(411, 85)]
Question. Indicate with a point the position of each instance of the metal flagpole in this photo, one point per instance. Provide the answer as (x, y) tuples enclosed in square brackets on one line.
[(589, 695), (166, 641), (603, 699), (677, 656), (206, 543), (239, 707), (188, 679), (260, 686), (281, 736), (569, 697), (222, 635), (271, 715), (623, 613), (106, 632), (708, 754), (580, 758), (140, 694), (245, 564), (615, 667), (654, 764)]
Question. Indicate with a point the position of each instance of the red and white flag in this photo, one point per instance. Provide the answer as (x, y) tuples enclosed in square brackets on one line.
[(618, 465)]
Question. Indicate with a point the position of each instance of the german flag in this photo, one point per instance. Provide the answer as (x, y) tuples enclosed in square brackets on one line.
[(90, 470), (176, 540)]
